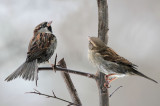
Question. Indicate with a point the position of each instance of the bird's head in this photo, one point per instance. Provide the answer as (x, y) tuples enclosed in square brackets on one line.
[(44, 27), (95, 43)]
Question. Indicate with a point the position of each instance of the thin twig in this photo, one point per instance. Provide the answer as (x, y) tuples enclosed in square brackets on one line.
[(55, 61), (62, 67), (57, 68), (115, 91), (53, 96)]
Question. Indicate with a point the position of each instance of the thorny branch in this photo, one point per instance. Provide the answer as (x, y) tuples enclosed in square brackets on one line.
[(53, 96)]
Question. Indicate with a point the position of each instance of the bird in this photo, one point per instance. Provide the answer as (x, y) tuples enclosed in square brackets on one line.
[(109, 62), (40, 49)]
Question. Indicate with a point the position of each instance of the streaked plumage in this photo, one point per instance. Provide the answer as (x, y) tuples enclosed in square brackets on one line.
[(40, 49), (109, 62)]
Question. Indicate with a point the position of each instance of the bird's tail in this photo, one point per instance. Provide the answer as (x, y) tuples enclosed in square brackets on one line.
[(142, 75), (28, 71)]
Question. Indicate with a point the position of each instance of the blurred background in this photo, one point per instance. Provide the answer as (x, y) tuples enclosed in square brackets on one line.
[(134, 33)]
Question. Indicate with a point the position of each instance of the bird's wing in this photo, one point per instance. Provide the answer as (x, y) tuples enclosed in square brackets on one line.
[(110, 55), (39, 44)]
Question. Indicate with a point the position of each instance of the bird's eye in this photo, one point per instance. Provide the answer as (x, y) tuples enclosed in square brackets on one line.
[(90, 45), (44, 25)]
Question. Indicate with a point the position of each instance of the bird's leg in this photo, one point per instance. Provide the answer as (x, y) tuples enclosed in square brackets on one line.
[(112, 79), (106, 84)]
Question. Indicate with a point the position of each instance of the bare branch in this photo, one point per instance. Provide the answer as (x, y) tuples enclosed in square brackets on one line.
[(65, 73), (57, 68), (71, 88), (102, 34), (103, 20), (53, 96)]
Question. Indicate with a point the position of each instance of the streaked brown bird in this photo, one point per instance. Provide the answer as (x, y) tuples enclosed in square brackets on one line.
[(40, 49), (109, 62)]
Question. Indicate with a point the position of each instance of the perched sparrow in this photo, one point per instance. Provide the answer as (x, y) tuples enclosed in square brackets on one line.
[(41, 48), (109, 62)]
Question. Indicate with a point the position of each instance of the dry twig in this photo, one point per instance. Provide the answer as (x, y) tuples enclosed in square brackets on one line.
[(114, 91), (53, 96)]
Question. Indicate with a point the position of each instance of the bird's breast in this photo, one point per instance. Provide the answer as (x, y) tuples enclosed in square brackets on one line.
[(104, 66)]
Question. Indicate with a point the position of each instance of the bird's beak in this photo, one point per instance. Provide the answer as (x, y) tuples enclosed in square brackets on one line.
[(49, 23), (91, 41)]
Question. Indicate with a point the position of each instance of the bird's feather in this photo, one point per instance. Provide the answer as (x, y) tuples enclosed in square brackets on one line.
[(38, 45), (110, 55)]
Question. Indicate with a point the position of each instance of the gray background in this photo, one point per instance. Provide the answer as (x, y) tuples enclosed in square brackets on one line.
[(134, 33)]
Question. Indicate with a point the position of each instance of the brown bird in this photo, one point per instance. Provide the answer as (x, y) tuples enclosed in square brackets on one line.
[(109, 62), (41, 48)]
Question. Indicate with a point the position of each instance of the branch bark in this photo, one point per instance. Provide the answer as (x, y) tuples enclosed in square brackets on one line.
[(57, 68), (103, 35), (71, 88)]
